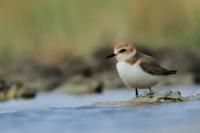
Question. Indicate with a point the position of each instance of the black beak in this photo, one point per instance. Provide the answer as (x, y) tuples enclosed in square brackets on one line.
[(110, 56)]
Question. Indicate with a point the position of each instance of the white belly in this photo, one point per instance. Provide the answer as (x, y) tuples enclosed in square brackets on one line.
[(134, 76)]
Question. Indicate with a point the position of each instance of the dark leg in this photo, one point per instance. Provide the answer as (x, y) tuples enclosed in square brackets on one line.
[(136, 92), (150, 89)]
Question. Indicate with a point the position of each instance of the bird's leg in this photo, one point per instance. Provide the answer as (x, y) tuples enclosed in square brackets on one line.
[(150, 89), (136, 92)]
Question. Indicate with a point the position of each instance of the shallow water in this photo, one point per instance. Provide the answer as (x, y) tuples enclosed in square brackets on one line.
[(58, 113)]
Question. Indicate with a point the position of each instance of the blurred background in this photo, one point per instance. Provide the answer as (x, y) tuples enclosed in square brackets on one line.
[(49, 44), (54, 51), (49, 30)]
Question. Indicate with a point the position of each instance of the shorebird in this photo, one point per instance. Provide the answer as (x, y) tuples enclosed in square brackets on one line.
[(136, 69)]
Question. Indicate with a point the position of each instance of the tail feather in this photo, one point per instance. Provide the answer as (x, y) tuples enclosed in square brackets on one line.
[(170, 72)]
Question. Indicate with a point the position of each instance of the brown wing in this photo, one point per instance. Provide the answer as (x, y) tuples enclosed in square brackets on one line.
[(151, 65), (154, 69)]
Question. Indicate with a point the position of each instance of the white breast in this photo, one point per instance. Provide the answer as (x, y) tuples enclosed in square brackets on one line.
[(134, 76)]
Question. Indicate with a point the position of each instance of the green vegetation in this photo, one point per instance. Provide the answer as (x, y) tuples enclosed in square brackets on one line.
[(50, 30)]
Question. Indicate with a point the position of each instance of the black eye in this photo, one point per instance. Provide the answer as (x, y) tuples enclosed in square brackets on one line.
[(122, 50)]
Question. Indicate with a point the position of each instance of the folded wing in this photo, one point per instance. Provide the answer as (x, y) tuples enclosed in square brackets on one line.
[(151, 66)]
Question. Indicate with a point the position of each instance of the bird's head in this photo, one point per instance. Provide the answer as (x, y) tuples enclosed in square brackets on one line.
[(123, 51)]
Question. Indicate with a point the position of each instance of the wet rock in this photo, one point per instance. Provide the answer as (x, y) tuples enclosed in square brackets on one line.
[(160, 98), (27, 94), (79, 85), (3, 85), (149, 99), (15, 91)]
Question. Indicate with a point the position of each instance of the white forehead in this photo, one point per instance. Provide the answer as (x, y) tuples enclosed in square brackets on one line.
[(116, 50)]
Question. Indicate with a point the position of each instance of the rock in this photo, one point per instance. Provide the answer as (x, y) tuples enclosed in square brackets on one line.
[(79, 85), (3, 85), (27, 94), (150, 99), (15, 91), (12, 93)]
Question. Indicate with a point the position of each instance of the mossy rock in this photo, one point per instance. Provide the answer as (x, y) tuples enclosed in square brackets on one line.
[(149, 99), (15, 91)]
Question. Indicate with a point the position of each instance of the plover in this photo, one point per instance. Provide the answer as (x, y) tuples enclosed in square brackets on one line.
[(136, 69)]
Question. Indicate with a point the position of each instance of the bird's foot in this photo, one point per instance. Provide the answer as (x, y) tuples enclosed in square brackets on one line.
[(148, 94), (151, 93)]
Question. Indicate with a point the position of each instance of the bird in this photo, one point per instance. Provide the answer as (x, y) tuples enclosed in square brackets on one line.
[(138, 70)]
